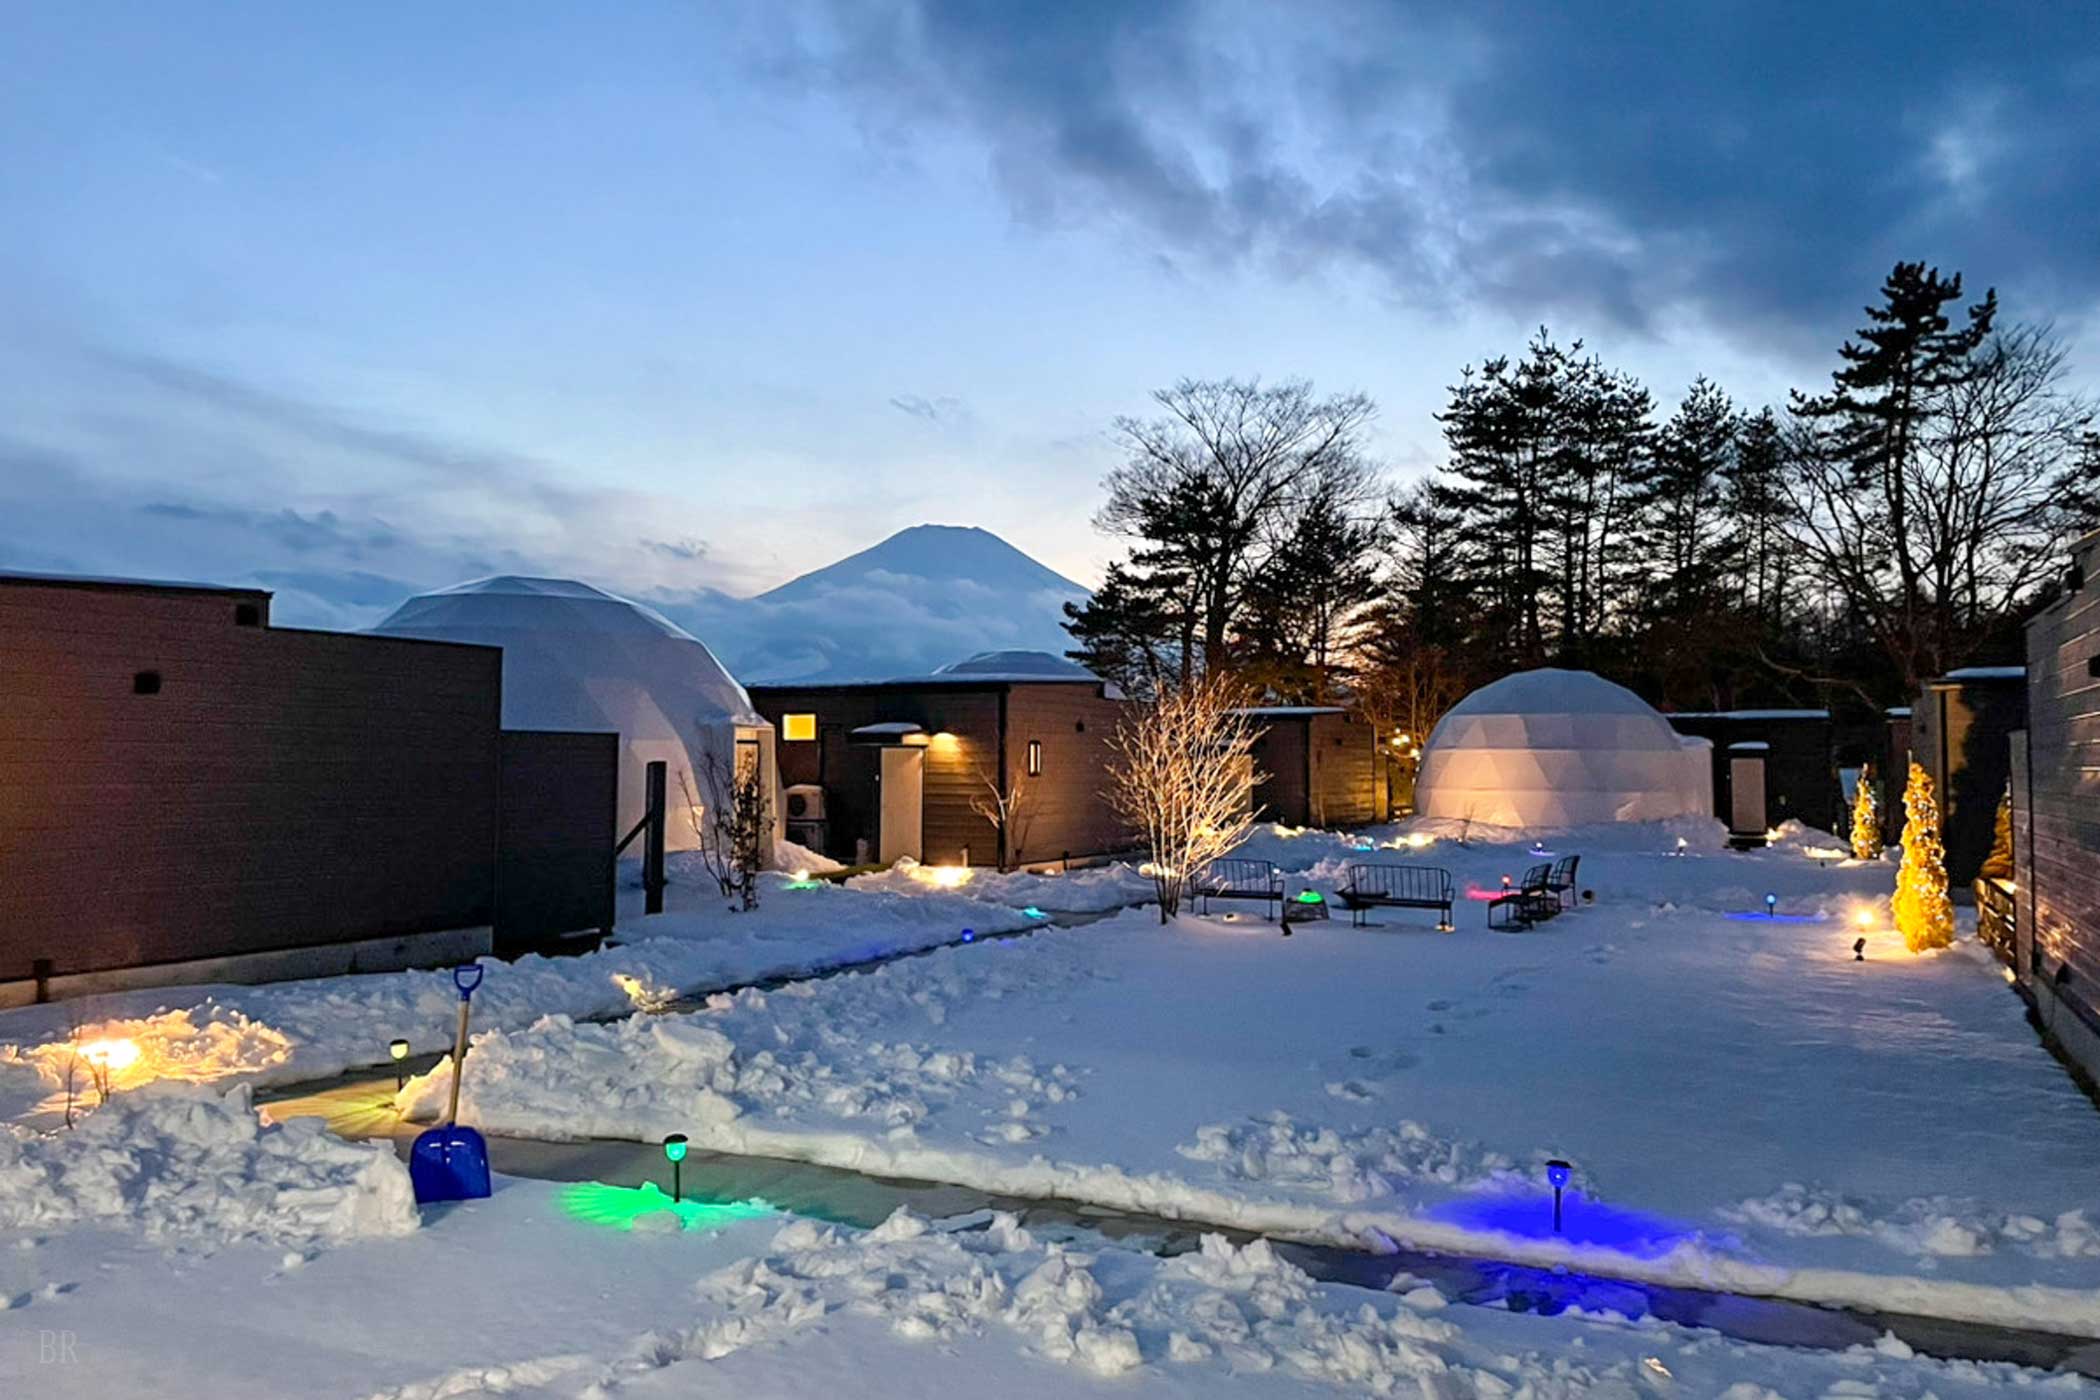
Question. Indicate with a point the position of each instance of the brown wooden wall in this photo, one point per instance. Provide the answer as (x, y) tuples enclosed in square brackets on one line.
[(560, 804), (281, 789), (1070, 813), (2056, 856), (1322, 770), (1068, 804)]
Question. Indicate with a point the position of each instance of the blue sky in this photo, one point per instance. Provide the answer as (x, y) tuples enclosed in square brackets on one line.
[(359, 299)]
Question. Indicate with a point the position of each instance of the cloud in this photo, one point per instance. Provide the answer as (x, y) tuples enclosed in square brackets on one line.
[(322, 530), (944, 411), (1761, 165), (687, 549)]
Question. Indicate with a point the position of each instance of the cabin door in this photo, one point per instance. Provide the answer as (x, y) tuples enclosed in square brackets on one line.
[(1746, 795), (903, 803)]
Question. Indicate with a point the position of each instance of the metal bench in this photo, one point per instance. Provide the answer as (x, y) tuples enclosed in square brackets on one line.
[(1530, 901), (1397, 887), (1240, 879), (1562, 880)]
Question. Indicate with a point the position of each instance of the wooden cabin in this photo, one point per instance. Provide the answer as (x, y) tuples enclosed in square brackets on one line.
[(872, 772), (1322, 767), (191, 794), (1769, 766)]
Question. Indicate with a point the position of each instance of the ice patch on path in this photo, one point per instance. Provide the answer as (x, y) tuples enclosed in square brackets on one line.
[(1921, 1226), (182, 1162)]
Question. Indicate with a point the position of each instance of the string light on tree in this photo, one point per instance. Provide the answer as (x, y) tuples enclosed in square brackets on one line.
[(1866, 819), (1924, 913)]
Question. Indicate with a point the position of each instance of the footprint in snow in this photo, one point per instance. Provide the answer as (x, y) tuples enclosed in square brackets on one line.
[(1440, 1004), (1354, 1089)]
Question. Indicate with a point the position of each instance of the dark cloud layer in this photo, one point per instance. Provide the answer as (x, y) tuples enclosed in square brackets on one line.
[(1763, 163)]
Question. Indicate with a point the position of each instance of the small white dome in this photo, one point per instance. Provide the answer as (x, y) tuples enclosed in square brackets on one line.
[(577, 658), (1554, 748)]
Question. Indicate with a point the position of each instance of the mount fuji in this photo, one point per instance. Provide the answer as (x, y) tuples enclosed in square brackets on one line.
[(924, 598)]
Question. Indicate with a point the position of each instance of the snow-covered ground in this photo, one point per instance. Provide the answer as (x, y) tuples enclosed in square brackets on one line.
[(1745, 1104), (1090, 890), (286, 1032), (580, 1291)]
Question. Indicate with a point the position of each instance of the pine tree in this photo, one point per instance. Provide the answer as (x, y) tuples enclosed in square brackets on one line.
[(1866, 819), (1924, 914), (1998, 865)]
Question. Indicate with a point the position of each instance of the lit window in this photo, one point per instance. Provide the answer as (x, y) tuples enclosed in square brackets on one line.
[(1035, 758), (798, 728)]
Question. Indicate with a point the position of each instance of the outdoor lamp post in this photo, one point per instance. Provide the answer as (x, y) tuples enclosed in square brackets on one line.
[(1859, 950), (1681, 844), (1557, 1172), (674, 1149), (1771, 905), (399, 1050)]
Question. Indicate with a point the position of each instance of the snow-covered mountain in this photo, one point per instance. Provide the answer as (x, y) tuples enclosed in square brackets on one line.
[(922, 599)]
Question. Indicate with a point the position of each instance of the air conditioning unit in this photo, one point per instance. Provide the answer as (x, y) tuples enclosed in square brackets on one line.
[(805, 802)]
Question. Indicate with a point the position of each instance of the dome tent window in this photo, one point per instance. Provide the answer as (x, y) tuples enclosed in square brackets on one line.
[(798, 729)]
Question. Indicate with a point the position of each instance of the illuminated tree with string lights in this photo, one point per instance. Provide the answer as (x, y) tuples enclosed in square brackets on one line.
[(1924, 913), (1866, 819), (1182, 776)]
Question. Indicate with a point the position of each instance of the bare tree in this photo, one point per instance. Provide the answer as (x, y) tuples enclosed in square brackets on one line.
[(732, 818), (1009, 807), (1205, 489), (1994, 484), (1182, 775)]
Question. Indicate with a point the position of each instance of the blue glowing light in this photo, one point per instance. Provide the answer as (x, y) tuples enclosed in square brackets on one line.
[(969, 935), (1529, 1215), (1771, 903), (1763, 918), (1557, 1172)]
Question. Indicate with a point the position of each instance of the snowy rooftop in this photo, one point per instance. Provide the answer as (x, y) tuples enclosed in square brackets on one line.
[(1017, 665), (176, 585), (1750, 714), (1987, 673)]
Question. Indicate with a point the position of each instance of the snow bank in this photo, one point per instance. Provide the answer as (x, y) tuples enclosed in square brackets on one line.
[(1093, 890), (287, 1032), (182, 1162)]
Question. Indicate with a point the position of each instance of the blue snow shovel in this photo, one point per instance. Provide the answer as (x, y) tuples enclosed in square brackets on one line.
[(448, 1162)]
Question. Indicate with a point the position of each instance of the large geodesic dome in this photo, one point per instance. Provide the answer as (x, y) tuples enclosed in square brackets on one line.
[(577, 658), (1553, 748)]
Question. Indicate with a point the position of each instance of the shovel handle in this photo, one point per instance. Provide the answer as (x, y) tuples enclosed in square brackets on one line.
[(459, 1055)]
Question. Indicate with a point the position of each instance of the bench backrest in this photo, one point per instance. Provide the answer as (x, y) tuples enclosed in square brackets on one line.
[(1536, 877), (1564, 871), (1239, 874), (1428, 883)]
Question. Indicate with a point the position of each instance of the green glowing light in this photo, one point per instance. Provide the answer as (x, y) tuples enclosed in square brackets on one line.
[(803, 885), (1034, 913), (1310, 897), (622, 1207), (674, 1147)]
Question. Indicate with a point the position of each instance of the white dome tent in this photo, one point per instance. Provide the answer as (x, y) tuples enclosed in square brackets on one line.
[(1552, 748), (577, 658)]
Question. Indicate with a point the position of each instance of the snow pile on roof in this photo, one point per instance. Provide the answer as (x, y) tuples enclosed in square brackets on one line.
[(577, 658), (179, 1160), (1021, 665), (1552, 748), (1987, 673)]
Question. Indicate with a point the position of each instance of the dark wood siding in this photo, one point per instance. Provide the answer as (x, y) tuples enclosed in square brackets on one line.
[(1068, 804), (278, 789), (1279, 756), (1344, 783), (1321, 769), (561, 797), (2057, 854)]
